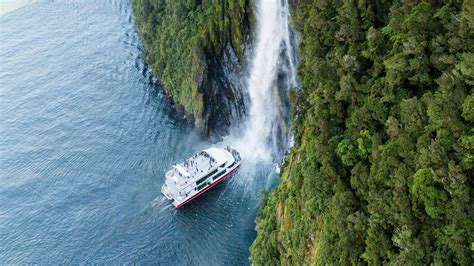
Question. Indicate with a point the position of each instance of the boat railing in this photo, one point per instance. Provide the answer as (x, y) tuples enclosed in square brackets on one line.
[(234, 153)]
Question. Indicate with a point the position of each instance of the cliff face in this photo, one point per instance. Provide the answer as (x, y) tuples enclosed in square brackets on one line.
[(382, 168), (196, 49)]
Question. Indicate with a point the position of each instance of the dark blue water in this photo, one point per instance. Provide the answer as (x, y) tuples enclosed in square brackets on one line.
[(85, 139)]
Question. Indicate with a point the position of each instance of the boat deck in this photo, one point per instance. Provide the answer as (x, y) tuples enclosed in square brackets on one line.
[(193, 168), (197, 174), (199, 164)]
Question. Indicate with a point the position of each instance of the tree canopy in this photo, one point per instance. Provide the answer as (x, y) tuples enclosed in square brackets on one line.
[(383, 162)]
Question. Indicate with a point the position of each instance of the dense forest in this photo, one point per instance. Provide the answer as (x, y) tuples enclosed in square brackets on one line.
[(382, 166), (192, 46), (383, 163)]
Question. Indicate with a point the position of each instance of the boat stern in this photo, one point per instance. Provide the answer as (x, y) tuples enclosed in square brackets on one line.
[(165, 192), (170, 196)]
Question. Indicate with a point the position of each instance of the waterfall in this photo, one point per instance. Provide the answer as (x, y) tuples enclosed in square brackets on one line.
[(271, 74)]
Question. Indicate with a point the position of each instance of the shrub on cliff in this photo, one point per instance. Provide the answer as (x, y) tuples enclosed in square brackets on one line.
[(181, 37)]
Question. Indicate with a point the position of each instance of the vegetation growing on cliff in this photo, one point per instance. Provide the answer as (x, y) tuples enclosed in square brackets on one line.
[(180, 36), (383, 163)]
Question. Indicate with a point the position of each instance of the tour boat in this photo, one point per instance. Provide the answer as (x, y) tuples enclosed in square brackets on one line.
[(191, 178)]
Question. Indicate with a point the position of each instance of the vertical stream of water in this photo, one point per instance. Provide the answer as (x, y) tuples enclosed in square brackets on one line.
[(271, 74)]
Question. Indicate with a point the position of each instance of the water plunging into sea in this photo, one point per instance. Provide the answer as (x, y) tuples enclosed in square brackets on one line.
[(85, 139)]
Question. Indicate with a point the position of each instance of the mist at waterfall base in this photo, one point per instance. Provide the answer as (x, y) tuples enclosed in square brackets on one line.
[(272, 73), (85, 139)]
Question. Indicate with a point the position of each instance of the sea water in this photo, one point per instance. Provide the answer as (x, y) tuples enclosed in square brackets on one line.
[(86, 136)]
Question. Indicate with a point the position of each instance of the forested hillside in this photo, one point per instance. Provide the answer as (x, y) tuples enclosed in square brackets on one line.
[(383, 163), (195, 47)]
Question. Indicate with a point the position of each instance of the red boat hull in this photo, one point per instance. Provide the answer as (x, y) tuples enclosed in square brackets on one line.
[(207, 188)]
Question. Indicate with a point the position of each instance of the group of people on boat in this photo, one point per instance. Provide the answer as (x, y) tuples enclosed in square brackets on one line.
[(234, 153), (192, 166), (187, 164), (189, 179)]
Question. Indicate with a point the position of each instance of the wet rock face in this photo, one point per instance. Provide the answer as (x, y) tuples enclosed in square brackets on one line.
[(196, 50), (224, 103)]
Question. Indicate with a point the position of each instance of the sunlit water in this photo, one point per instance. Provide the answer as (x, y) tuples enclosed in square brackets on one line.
[(85, 139)]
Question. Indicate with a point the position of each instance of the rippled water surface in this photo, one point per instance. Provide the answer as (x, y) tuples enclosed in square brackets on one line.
[(85, 138)]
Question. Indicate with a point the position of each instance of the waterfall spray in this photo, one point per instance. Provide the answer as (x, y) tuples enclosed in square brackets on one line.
[(271, 75)]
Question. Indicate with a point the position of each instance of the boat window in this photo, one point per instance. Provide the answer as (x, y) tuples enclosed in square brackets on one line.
[(205, 177), (231, 165), (200, 180), (218, 175), (202, 186)]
